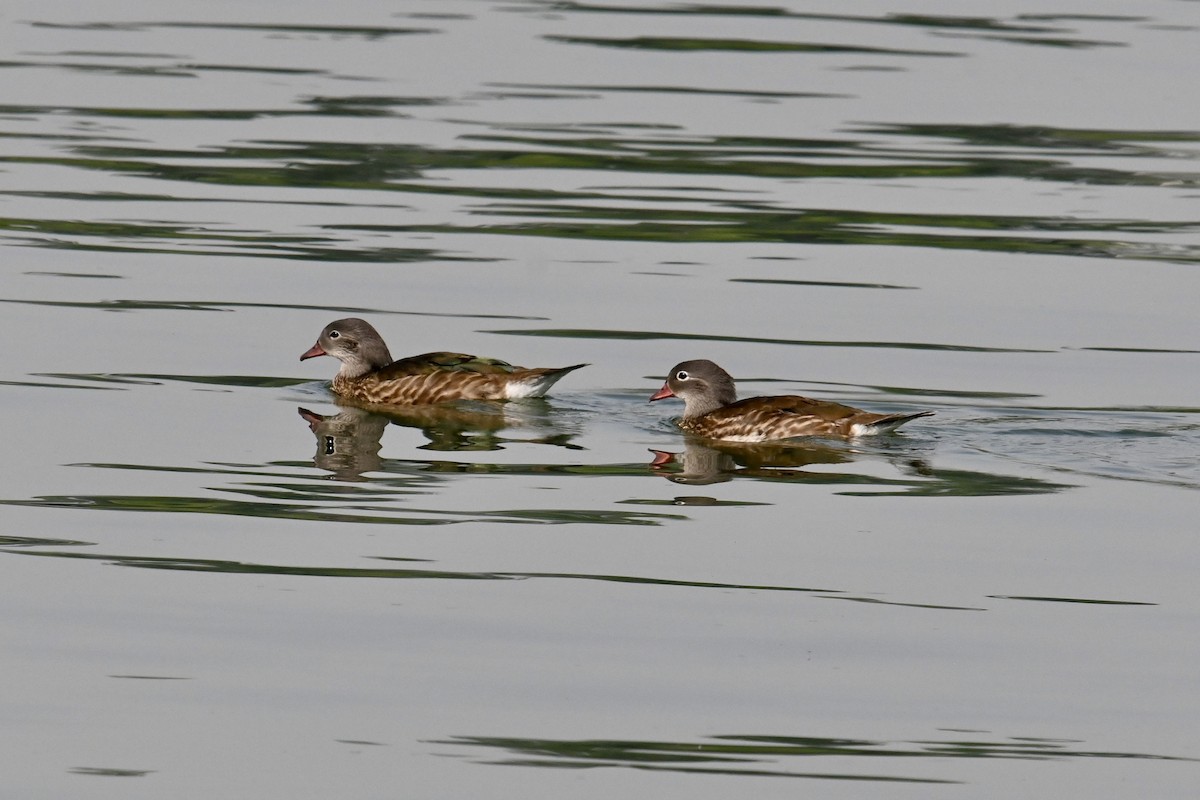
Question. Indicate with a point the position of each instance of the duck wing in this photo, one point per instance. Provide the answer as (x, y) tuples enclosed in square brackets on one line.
[(444, 362)]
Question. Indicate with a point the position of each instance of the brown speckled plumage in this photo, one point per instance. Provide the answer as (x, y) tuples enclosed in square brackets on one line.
[(711, 409), (369, 375)]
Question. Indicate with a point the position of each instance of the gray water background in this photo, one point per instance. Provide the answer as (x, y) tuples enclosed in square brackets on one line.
[(989, 212)]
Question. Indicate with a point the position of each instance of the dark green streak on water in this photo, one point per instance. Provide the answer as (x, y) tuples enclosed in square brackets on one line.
[(969, 153), (585, 333), (41, 385), (402, 478), (834, 227), (255, 381), (73, 274), (829, 284), (366, 32), (111, 772), (348, 106), (1140, 350), (228, 305), (378, 515), (399, 474), (642, 89), (382, 164), (1031, 25), (1033, 138), (1072, 600), (681, 44), (239, 567), (877, 601), (131, 237), (743, 754), (39, 541), (965, 483)]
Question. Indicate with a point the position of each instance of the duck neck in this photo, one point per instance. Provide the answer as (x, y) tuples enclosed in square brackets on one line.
[(698, 406), (353, 369), (370, 356)]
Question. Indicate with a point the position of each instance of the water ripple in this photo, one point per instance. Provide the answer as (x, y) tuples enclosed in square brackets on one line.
[(583, 333), (762, 754)]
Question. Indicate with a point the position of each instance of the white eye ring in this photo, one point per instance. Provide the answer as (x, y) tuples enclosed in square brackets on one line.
[(681, 375), (334, 334)]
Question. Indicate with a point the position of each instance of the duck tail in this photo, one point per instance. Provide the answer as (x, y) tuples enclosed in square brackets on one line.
[(536, 382), (885, 423)]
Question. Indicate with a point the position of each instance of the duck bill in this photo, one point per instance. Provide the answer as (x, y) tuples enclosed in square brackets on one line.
[(662, 394), (311, 417), (661, 459), (313, 352)]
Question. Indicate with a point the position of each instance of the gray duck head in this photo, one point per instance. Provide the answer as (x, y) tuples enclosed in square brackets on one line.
[(355, 343), (701, 385)]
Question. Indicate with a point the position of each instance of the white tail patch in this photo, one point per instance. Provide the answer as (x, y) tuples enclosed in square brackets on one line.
[(536, 385), (885, 425), (531, 388)]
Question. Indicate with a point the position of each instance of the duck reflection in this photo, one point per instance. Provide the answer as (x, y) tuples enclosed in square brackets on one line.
[(349, 442), (705, 461)]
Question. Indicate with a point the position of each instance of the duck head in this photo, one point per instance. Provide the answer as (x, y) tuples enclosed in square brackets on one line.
[(700, 384), (355, 343)]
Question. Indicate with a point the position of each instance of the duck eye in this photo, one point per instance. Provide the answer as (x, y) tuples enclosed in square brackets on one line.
[(681, 375), (334, 335)]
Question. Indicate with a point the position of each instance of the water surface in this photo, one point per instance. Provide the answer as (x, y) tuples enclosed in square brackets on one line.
[(221, 581)]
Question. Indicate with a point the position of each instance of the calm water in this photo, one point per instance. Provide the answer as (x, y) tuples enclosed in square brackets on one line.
[(218, 582)]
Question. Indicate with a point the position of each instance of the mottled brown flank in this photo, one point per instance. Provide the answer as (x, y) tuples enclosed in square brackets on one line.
[(440, 378), (764, 418), (438, 387)]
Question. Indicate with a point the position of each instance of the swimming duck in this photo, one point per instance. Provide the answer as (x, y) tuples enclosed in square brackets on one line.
[(368, 373), (711, 409)]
